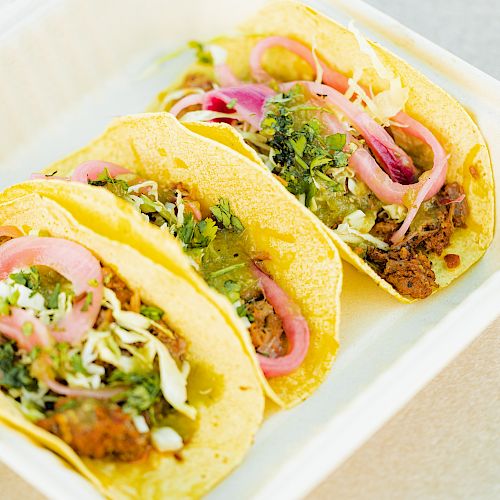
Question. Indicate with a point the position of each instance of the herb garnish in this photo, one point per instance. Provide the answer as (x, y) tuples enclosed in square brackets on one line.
[(204, 56), (152, 312), (222, 212), (301, 154)]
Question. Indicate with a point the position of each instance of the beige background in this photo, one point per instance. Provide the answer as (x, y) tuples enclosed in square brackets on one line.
[(445, 444)]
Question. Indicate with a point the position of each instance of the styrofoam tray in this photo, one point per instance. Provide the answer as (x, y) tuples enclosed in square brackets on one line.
[(70, 66)]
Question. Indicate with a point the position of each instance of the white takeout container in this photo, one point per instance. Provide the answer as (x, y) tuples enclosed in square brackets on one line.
[(69, 67)]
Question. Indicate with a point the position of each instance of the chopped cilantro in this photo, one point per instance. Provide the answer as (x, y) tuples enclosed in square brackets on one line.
[(4, 307), (77, 363), (13, 375), (222, 212), (152, 312), (88, 301), (204, 56), (231, 104), (53, 300), (144, 390), (336, 141), (243, 312), (13, 298), (27, 329), (118, 187), (300, 151), (341, 159), (197, 234), (30, 279)]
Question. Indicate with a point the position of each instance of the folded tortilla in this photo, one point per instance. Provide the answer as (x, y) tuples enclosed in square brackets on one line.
[(302, 259), (222, 384), (469, 161)]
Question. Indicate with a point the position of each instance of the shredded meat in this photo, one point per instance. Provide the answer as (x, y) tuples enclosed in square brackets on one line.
[(131, 301), (385, 229), (97, 430), (198, 80), (266, 330), (458, 210), (452, 260), (408, 271), (176, 345), (115, 283)]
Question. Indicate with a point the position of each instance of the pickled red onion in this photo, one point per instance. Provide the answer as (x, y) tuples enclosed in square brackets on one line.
[(185, 102), (249, 101), (434, 179), (225, 76), (330, 77), (394, 160), (12, 326), (73, 262), (77, 392), (92, 169), (294, 326), (10, 231)]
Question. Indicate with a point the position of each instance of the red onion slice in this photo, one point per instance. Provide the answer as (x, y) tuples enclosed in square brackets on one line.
[(294, 325), (72, 261), (92, 169), (12, 326)]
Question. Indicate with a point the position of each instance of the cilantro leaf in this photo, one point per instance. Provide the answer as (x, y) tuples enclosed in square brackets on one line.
[(336, 141), (204, 56), (53, 300), (14, 375), (152, 312), (222, 212)]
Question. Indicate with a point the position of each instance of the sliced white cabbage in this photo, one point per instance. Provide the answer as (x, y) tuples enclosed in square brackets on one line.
[(387, 103), (140, 424), (166, 439), (350, 235), (360, 221), (396, 212), (173, 381), (27, 299)]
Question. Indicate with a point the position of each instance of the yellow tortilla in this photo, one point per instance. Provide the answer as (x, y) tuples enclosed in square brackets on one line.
[(469, 160), (303, 261), (222, 384)]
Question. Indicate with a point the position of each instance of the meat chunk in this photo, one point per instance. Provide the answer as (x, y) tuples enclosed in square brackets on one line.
[(96, 429), (122, 291), (458, 209), (385, 229), (266, 330), (408, 271), (438, 239)]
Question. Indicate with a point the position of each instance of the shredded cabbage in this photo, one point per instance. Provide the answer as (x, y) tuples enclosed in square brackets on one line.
[(360, 221), (396, 212), (387, 103), (173, 380), (350, 235)]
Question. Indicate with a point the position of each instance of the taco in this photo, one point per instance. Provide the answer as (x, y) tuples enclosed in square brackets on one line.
[(272, 272), (390, 163), (115, 363)]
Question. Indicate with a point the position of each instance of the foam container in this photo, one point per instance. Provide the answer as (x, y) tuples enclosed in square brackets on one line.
[(69, 67)]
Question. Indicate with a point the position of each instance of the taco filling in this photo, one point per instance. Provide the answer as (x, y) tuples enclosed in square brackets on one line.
[(367, 170), (217, 245), (84, 357)]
